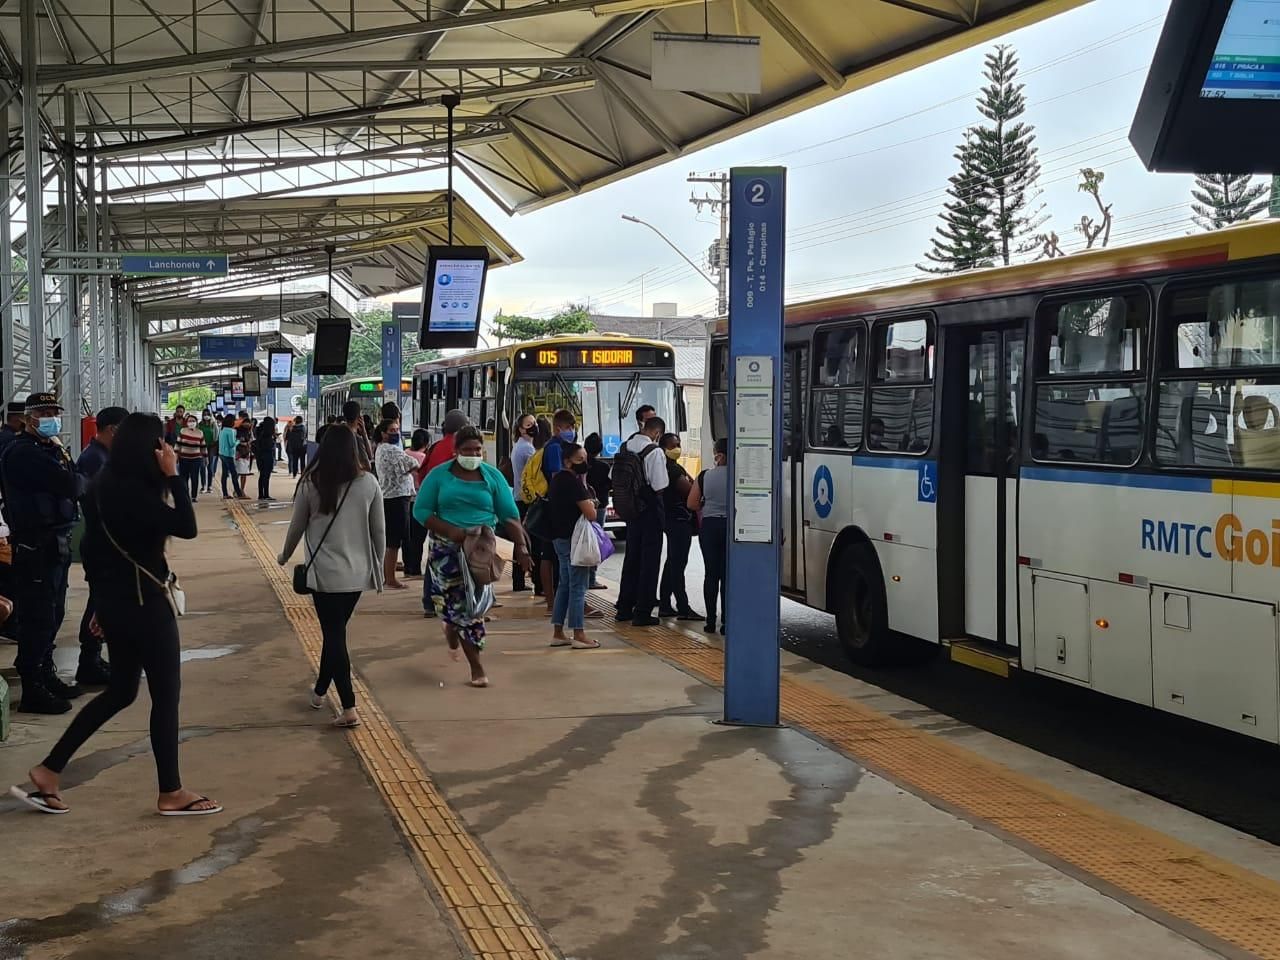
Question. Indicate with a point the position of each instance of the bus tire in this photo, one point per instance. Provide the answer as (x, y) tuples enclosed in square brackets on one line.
[(861, 609)]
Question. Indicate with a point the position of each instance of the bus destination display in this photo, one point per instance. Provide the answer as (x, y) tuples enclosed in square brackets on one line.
[(592, 357), (1246, 61)]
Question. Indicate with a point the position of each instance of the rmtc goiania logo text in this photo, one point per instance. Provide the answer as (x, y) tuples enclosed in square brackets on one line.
[(1227, 539)]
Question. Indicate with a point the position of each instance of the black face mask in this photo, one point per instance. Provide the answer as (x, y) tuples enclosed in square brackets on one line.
[(579, 468)]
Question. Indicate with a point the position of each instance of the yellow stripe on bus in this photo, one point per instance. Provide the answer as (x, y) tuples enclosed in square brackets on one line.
[(1248, 488)]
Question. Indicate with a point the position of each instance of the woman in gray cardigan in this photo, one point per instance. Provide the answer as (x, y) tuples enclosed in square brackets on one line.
[(337, 511)]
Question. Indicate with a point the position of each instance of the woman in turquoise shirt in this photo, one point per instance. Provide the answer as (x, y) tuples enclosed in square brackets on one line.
[(455, 497), (227, 454)]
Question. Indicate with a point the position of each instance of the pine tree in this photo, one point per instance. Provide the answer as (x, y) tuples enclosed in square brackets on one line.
[(1007, 153), (965, 239), (1222, 199), (997, 178)]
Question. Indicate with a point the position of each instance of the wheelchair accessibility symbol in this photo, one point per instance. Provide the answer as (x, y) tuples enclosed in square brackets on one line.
[(824, 493), (927, 482)]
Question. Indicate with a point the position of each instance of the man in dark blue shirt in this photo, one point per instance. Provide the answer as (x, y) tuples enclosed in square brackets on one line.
[(41, 488), (93, 670)]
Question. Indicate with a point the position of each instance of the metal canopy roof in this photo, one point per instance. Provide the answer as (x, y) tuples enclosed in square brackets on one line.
[(180, 322), (233, 96), (276, 239)]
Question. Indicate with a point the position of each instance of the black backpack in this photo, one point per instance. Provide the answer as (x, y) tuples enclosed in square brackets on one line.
[(632, 494)]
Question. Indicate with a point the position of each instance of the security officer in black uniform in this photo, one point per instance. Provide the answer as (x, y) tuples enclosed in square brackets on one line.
[(41, 490)]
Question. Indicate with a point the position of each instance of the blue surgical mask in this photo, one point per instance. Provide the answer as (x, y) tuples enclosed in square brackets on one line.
[(569, 435), (49, 426)]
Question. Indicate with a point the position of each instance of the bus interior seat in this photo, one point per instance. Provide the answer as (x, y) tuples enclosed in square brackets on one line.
[(1207, 433), (1121, 434), (1259, 449)]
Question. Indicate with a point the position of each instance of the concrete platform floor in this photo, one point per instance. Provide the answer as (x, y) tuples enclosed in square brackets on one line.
[(613, 808)]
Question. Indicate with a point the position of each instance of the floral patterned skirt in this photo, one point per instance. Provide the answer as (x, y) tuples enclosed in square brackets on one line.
[(444, 561)]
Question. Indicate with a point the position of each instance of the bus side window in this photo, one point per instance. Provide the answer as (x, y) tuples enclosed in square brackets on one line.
[(1091, 390), (901, 416), (838, 383)]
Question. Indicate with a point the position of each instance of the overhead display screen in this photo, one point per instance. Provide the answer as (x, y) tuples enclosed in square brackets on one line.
[(237, 391), (452, 293), (280, 368), (252, 381), (592, 357), (1246, 61)]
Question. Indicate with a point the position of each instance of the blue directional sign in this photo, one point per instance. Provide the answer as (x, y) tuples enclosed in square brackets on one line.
[(313, 389), (233, 347), (173, 264), (391, 359), (757, 225)]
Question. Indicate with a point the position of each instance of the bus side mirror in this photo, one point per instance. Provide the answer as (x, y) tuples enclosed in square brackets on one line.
[(682, 412)]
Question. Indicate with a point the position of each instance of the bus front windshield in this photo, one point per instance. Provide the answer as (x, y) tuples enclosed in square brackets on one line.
[(606, 407)]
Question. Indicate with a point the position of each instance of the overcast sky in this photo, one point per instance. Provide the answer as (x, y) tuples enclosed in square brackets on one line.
[(867, 175)]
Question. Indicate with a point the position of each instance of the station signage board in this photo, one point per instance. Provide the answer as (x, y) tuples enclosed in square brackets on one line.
[(452, 294)]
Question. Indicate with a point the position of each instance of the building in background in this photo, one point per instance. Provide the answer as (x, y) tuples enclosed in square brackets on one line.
[(689, 337)]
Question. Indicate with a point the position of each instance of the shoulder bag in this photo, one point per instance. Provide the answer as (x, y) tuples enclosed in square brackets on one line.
[(171, 588), (301, 571)]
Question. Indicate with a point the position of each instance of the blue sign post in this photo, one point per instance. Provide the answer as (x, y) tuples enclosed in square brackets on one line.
[(757, 223), (391, 361), (313, 394), (173, 264)]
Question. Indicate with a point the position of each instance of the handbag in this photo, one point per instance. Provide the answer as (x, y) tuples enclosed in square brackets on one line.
[(477, 599), (171, 587), (301, 571), (481, 551)]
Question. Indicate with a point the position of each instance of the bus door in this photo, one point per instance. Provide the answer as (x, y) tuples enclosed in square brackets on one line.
[(795, 371), (995, 361)]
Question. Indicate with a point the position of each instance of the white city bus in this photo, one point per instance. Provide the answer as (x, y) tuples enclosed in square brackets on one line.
[(1070, 466)]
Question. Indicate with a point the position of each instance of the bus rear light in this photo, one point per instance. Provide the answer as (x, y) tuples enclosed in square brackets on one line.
[(1126, 578), (888, 538), (1024, 561)]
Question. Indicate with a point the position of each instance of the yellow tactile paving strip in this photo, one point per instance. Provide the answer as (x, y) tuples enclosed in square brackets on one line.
[(1232, 905), (496, 927)]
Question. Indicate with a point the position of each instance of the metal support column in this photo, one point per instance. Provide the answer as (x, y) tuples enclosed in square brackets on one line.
[(95, 283), (9, 386), (72, 331), (111, 322), (39, 360)]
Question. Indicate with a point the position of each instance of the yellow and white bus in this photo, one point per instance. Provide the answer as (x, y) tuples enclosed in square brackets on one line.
[(603, 378), (369, 393), (1070, 466)]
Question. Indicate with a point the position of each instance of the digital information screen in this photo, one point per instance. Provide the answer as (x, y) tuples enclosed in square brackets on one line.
[(280, 368), (252, 381), (452, 294), (236, 392), (1246, 61), (456, 288), (591, 357)]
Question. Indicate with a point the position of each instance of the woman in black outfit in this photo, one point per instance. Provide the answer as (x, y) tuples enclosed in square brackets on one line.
[(264, 450), (139, 500)]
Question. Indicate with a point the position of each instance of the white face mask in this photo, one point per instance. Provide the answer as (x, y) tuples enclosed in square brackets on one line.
[(469, 463)]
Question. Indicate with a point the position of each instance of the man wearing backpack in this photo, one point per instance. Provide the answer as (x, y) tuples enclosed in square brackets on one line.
[(639, 477)]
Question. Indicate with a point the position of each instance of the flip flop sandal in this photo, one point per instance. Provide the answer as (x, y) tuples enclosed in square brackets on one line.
[(479, 684), (313, 701), (588, 645), (593, 614), (190, 809), (557, 642), (39, 800), (344, 724)]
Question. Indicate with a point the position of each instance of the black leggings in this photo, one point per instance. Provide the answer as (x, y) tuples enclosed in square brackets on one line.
[(714, 540), (138, 638), (333, 610), (264, 475)]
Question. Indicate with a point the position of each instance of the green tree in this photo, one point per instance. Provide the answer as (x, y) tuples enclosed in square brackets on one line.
[(574, 318), (993, 196), (964, 239), (1221, 199), (192, 398)]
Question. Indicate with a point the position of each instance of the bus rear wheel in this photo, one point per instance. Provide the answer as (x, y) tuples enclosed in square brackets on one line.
[(862, 614)]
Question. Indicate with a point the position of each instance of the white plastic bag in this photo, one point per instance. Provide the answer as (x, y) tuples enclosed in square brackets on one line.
[(584, 548), (479, 600)]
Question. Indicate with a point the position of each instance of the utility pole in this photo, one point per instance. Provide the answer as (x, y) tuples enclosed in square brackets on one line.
[(718, 255)]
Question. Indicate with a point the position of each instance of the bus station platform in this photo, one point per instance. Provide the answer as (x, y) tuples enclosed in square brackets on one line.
[(586, 805)]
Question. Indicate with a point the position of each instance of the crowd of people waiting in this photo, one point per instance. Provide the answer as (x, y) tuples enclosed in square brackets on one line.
[(361, 501)]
